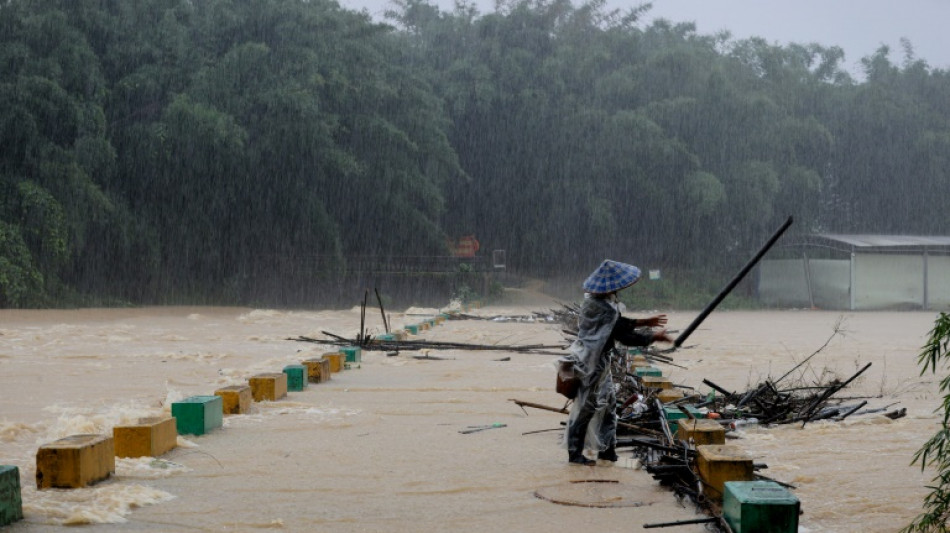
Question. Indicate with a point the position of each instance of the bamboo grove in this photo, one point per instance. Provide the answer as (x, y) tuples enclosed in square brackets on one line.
[(230, 151)]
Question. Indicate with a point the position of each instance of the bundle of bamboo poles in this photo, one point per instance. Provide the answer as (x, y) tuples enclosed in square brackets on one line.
[(369, 343)]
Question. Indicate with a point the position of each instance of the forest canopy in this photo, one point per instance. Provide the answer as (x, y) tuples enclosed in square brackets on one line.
[(165, 151)]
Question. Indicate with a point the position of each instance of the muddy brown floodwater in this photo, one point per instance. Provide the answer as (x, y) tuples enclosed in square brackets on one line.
[(378, 448)]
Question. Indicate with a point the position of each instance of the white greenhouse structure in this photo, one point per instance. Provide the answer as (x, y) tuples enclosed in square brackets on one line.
[(859, 272)]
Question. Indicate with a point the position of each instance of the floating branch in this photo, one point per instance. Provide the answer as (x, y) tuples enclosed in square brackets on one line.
[(375, 344)]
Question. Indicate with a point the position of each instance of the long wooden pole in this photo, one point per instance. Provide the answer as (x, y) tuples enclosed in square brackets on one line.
[(731, 285), (381, 310)]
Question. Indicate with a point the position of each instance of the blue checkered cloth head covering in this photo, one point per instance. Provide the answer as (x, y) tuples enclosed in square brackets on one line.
[(611, 276)]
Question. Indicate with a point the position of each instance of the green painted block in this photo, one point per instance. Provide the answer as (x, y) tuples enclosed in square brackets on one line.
[(673, 414), (11, 502), (760, 507), (385, 337), (413, 328), (648, 371), (198, 415), (296, 377), (354, 354)]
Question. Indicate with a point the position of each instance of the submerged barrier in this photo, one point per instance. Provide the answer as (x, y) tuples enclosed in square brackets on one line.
[(75, 461), (78, 461), (336, 360), (149, 437), (318, 370), (268, 387), (11, 501), (751, 506), (726, 472), (297, 377), (235, 399), (198, 415)]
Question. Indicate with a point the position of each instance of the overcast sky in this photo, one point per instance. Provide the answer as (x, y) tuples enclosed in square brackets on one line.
[(857, 26)]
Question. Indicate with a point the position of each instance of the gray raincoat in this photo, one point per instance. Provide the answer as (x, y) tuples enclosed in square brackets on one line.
[(593, 423)]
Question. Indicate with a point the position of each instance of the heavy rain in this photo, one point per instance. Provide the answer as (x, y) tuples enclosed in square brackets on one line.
[(196, 192)]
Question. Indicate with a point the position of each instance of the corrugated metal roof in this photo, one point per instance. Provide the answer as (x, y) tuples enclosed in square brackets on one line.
[(887, 241)]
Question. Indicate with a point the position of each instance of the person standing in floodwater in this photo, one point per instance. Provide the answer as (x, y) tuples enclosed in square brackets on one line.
[(593, 420)]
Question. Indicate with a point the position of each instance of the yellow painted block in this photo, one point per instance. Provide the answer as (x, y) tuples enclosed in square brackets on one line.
[(656, 382), (669, 395), (75, 461), (702, 431), (236, 399), (150, 437), (638, 361), (268, 387), (336, 361), (318, 370), (423, 326), (439, 319), (401, 335), (718, 463)]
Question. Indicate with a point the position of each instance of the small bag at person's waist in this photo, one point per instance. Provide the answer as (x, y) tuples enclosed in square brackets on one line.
[(567, 380)]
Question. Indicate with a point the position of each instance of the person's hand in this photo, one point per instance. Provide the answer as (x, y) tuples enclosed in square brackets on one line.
[(657, 321), (661, 336)]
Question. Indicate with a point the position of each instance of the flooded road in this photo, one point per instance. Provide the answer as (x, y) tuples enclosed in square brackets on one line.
[(378, 448)]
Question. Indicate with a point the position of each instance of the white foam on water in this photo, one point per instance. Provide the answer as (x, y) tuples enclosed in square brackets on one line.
[(259, 316), (319, 414), (106, 504), (147, 468), (88, 420), (276, 523), (171, 396), (185, 443), (11, 431), (202, 357), (422, 311)]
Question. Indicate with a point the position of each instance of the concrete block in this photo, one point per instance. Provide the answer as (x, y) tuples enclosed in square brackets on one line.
[(318, 370), (674, 415), (656, 382), (638, 361), (336, 361), (297, 377), (198, 415), (75, 461), (150, 437), (354, 354), (268, 387), (11, 500), (235, 399), (760, 507), (701, 431), (719, 463), (669, 395)]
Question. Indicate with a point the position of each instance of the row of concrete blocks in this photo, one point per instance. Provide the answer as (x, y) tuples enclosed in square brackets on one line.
[(415, 329), (727, 471), (81, 460)]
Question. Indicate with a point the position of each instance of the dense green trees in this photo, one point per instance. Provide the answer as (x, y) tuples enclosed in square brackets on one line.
[(236, 151)]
